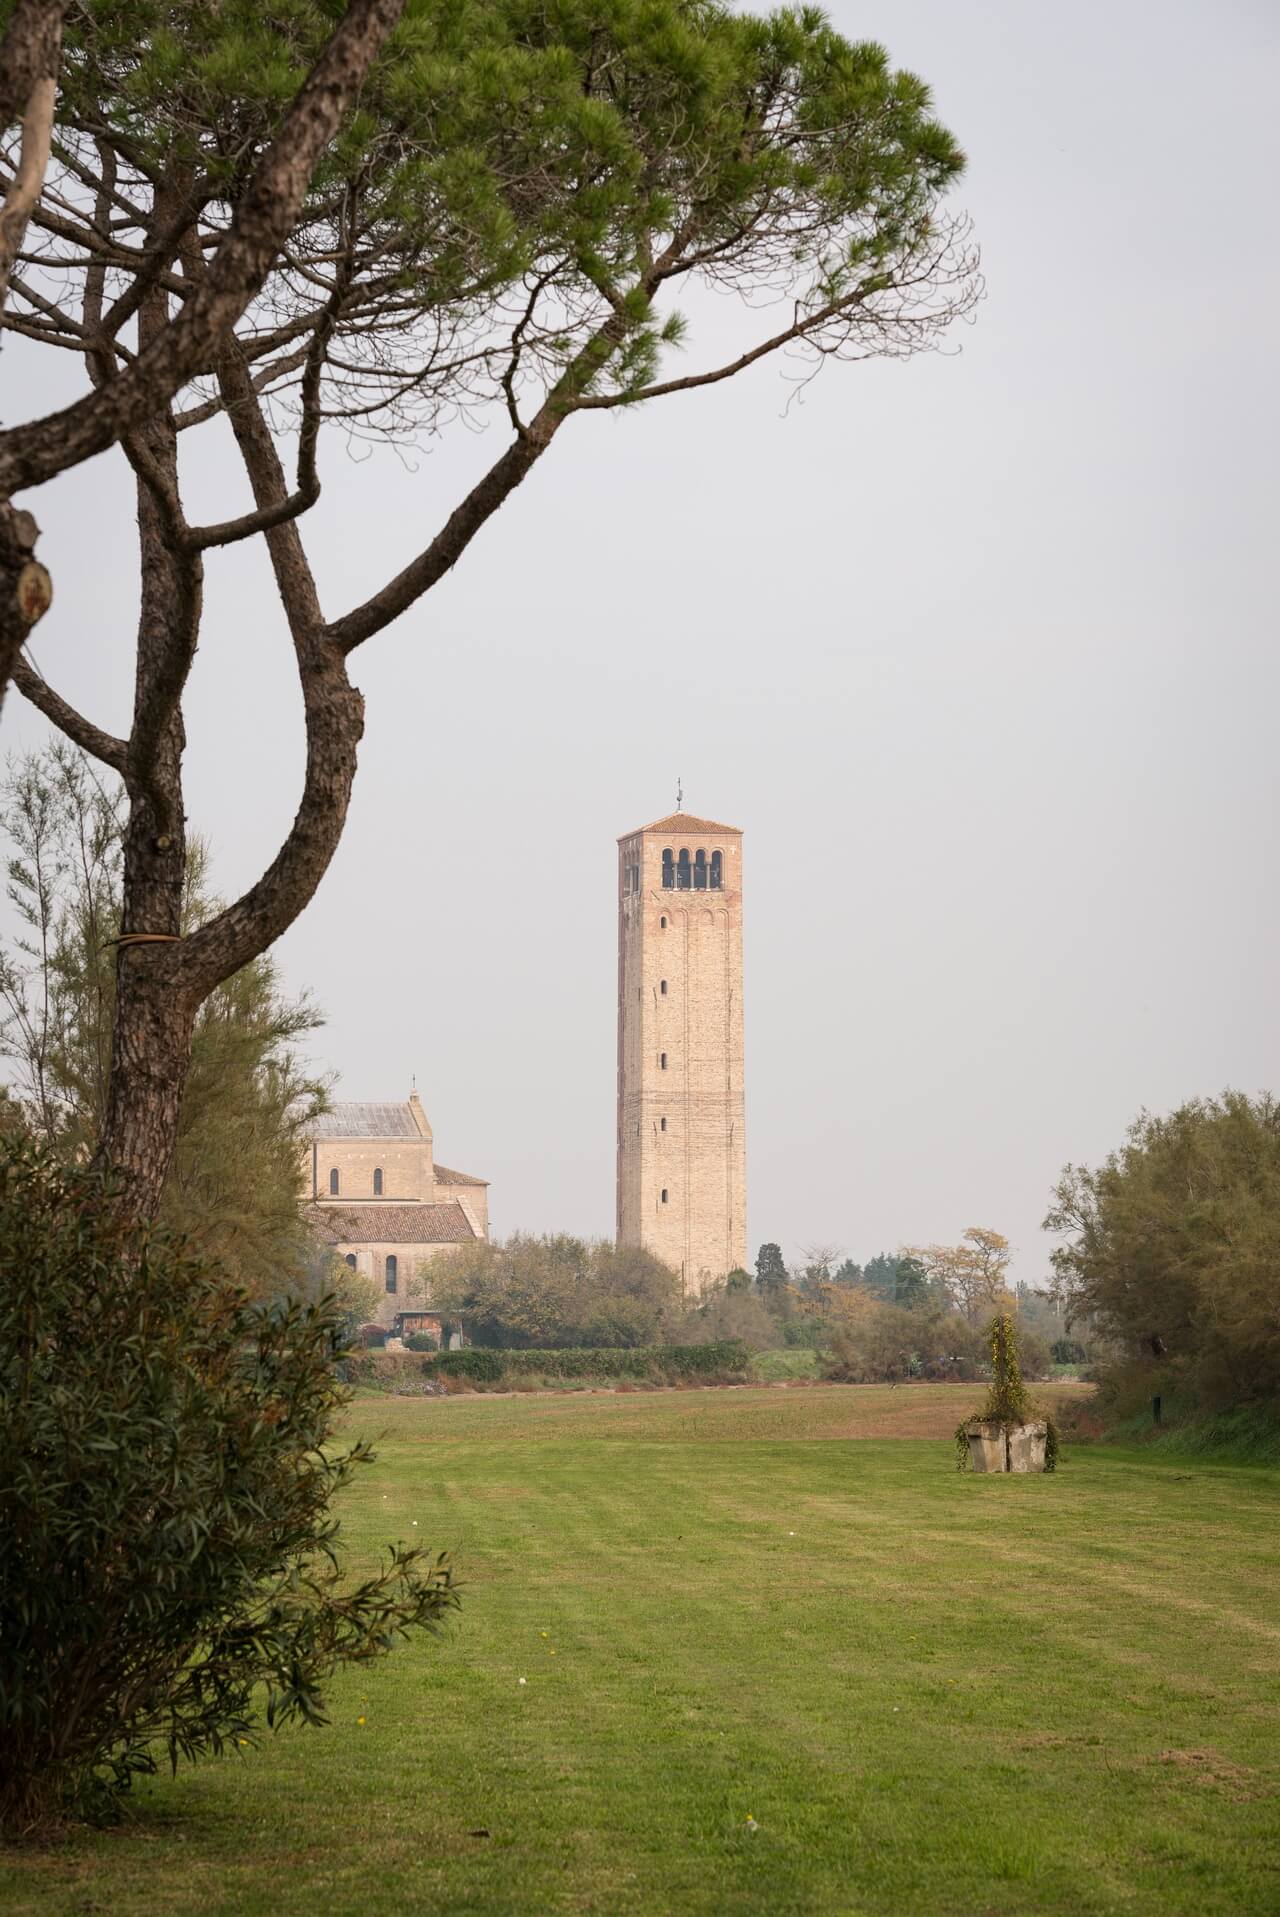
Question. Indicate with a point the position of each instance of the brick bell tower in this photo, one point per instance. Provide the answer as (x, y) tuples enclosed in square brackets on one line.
[(682, 1166)]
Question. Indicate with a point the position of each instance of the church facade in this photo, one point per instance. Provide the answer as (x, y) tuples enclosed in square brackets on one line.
[(681, 1149), (372, 1190)]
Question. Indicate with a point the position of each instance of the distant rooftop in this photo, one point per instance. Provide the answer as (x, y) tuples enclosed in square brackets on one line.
[(390, 1224), (677, 822), (352, 1119)]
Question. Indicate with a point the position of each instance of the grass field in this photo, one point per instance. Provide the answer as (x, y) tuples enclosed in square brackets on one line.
[(929, 1693)]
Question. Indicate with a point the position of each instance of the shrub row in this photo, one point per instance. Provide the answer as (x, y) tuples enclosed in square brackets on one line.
[(654, 1364)]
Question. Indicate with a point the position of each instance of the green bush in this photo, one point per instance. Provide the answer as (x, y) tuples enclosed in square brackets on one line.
[(654, 1364), (166, 1539), (421, 1341)]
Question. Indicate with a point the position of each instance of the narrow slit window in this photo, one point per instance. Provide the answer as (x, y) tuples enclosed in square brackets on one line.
[(664, 1194), (393, 1270), (377, 1182), (333, 1182), (662, 1061), (663, 988), (662, 1124), (662, 925)]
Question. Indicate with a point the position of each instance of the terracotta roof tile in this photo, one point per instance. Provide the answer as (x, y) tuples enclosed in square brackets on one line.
[(446, 1177), (389, 1224), (685, 822)]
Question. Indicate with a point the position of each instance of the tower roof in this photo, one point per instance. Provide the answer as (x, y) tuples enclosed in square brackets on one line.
[(676, 822)]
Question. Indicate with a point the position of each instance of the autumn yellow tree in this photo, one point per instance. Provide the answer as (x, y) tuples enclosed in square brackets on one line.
[(974, 1273)]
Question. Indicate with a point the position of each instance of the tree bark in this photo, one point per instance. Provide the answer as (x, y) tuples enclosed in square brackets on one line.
[(25, 587), (155, 1006)]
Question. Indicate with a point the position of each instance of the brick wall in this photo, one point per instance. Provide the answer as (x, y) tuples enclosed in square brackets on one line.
[(699, 1156)]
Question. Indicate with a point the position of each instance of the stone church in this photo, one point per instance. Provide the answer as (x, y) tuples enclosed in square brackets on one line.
[(682, 1152), (374, 1193)]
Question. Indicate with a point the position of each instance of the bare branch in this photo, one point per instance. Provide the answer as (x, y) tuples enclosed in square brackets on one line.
[(24, 189), (81, 732)]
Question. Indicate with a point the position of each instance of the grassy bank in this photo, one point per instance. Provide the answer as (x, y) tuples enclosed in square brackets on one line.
[(765, 1670), (1249, 1434)]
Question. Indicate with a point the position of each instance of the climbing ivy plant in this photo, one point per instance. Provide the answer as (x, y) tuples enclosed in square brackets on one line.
[(1007, 1402)]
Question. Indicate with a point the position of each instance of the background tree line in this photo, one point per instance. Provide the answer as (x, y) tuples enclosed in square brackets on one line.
[(1170, 1249)]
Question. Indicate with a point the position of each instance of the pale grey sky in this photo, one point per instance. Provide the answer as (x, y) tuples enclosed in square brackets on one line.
[(979, 650)]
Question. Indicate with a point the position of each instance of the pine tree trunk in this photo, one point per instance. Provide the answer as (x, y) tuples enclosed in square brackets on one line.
[(155, 1006)]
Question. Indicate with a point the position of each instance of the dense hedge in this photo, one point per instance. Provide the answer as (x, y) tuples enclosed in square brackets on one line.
[(653, 1364)]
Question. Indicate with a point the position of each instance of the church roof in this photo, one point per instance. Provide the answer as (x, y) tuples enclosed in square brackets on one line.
[(446, 1177), (390, 1224), (677, 822), (351, 1119)]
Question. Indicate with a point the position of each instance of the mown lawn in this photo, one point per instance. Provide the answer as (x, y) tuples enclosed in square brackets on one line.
[(930, 1693)]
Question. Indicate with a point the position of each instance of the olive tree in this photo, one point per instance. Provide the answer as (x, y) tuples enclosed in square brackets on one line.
[(504, 225)]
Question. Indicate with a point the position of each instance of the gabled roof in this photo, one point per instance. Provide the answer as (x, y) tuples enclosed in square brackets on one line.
[(351, 1119), (446, 1177), (390, 1224), (677, 822)]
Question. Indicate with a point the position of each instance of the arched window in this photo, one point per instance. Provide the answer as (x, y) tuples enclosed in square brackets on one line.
[(377, 1182), (350, 1259), (662, 1060), (700, 871), (682, 870), (662, 923), (664, 1194), (663, 988), (392, 1269), (333, 1182), (717, 872), (668, 871)]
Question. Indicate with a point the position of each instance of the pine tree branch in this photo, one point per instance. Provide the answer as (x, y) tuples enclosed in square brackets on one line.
[(81, 732), (262, 221)]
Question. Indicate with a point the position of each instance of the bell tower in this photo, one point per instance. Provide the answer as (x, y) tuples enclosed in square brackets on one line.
[(682, 1191)]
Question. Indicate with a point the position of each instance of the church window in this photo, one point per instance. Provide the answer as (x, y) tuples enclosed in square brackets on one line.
[(393, 1267), (350, 1259), (717, 872), (662, 1060), (664, 1194), (662, 924), (663, 988), (682, 870), (668, 871), (700, 871), (333, 1182), (377, 1182)]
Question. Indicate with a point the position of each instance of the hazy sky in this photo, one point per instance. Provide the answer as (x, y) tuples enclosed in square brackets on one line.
[(979, 650)]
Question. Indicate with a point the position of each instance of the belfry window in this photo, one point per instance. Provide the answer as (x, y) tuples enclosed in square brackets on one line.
[(700, 871), (393, 1270), (377, 1182), (668, 871), (682, 870), (333, 1182), (717, 872)]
